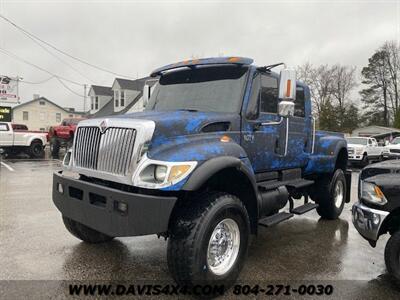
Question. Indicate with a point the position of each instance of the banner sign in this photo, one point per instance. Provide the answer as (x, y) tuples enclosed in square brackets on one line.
[(5, 114), (8, 89)]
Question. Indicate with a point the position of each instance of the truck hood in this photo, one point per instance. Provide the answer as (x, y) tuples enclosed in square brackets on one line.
[(355, 146), (180, 123)]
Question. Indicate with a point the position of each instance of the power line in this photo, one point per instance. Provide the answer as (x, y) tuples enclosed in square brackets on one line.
[(58, 58), (4, 51), (68, 88), (59, 78), (39, 82), (61, 51)]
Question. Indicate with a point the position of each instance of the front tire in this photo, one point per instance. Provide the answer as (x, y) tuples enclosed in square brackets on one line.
[(208, 241), (85, 233), (392, 255), (330, 194), (365, 160)]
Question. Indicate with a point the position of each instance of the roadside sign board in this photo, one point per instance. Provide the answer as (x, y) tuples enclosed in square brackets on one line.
[(8, 89), (5, 114)]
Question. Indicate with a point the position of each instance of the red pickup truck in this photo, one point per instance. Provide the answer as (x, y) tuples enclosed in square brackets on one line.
[(62, 135)]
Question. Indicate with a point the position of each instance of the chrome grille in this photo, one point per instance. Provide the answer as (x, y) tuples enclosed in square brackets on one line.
[(110, 152)]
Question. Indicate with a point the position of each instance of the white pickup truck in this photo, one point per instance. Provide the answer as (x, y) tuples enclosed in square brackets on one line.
[(15, 138), (392, 150), (363, 150)]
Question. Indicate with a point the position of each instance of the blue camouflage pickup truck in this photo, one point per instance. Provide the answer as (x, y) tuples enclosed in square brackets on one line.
[(222, 148)]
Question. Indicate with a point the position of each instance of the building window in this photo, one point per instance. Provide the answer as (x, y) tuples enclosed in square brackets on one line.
[(41, 102), (116, 96), (25, 115), (91, 103), (58, 117), (96, 104), (42, 116), (122, 98)]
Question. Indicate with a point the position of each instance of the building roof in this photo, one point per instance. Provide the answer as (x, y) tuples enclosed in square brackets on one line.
[(102, 90), (45, 99), (136, 85)]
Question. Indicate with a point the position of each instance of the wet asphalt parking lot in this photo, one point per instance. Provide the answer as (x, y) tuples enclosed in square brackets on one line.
[(34, 245)]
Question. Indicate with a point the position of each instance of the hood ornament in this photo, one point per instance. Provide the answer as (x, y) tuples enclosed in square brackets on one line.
[(103, 126)]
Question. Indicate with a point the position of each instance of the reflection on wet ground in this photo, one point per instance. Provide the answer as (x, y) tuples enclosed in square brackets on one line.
[(35, 245)]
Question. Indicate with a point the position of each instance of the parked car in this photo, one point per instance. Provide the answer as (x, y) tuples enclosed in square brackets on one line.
[(363, 150), (214, 156), (392, 150), (378, 210), (62, 135), (16, 138)]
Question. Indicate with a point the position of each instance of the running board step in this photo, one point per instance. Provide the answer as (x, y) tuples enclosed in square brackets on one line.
[(304, 208), (275, 219), (296, 184)]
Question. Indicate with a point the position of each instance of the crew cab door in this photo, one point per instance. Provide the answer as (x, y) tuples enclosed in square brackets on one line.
[(6, 135), (265, 134)]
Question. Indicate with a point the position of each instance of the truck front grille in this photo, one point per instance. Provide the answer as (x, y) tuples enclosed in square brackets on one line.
[(110, 152)]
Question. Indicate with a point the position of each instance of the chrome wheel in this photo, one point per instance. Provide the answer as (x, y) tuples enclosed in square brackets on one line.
[(339, 193), (223, 247)]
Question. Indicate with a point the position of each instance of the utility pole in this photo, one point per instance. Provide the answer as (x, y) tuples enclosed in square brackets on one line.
[(84, 98), (17, 79)]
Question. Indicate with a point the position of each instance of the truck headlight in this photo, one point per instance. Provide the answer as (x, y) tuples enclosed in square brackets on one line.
[(158, 174), (372, 193)]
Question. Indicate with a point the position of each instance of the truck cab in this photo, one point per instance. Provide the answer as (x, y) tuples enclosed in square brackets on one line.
[(222, 148)]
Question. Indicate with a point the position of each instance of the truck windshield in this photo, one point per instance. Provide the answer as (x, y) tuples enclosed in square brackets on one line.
[(357, 141), (396, 141), (209, 89)]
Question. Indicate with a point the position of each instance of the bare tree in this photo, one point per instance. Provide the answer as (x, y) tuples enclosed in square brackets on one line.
[(330, 88), (319, 79)]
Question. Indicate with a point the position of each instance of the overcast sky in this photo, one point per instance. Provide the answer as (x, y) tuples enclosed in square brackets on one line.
[(135, 37)]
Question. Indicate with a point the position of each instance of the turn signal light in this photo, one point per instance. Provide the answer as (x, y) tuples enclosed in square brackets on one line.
[(177, 171)]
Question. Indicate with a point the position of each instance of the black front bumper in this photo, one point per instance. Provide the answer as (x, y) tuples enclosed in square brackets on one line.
[(97, 207)]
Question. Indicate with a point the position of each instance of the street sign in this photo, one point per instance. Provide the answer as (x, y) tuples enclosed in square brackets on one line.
[(8, 89), (5, 114)]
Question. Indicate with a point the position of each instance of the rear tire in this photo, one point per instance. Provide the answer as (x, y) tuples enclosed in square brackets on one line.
[(36, 150), (208, 241), (330, 194), (55, 147), (85, 233), (392, 255)]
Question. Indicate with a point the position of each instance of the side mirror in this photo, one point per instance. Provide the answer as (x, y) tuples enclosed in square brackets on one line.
[(287, 84), (286, 108), (287, 92)]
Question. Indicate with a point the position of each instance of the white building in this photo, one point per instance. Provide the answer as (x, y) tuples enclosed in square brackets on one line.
[(124, 96), (99, 97), (41, 113)]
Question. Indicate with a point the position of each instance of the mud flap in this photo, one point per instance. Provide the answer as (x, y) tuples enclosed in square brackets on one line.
[(347, 174)]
